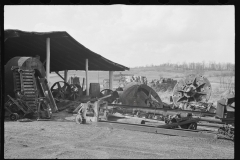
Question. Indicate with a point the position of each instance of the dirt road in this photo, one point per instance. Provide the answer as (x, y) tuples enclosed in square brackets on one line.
[(66, 139)]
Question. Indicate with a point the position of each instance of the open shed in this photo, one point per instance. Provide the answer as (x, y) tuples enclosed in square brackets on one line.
[(59, 51)]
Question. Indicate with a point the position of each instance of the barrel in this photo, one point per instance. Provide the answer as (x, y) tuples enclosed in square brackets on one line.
[(94, 89)]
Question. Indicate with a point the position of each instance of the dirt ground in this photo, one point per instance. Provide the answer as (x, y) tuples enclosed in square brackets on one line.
[(63, 138)]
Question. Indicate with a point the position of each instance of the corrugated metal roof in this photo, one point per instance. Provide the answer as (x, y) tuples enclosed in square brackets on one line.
[(65, 52)]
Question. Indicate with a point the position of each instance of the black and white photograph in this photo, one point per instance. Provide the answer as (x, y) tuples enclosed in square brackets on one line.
[(119, 81)]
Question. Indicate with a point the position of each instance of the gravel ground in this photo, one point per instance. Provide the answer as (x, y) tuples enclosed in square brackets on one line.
[(66, 139)]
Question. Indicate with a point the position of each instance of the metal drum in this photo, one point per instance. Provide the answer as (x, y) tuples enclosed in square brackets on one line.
[(136, 95)]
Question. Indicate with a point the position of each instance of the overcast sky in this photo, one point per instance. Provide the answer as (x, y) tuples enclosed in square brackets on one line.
[(137, 35)]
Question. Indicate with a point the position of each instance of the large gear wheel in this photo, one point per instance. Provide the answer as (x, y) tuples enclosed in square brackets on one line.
[(61, 90), (192, 88)]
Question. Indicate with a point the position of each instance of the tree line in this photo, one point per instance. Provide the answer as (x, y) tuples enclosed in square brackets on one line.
[(221, 66)]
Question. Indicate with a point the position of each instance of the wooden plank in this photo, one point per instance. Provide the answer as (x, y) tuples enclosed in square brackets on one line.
[(152, 129), (27, 73), (26, 77), (30, 99), (16, 102), (27, 70), (48, 94), (28, 86), (27, 80), (30, 96), (29, 92), (29, 89)]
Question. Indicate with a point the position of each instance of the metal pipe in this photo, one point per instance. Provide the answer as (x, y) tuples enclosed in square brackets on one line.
[(111, 80), (211, 120), (210, 124), (162, 111), (87, 91), (47, 59)]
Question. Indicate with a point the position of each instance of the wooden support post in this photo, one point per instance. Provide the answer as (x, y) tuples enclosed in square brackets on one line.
[(65, 75), (47, 59), (111, 80), (87, 90)]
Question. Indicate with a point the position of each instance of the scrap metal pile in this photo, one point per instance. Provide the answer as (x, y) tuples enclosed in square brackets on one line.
[(163, 84), (190, 103), (227, 131), (25, 78), (27, 93)]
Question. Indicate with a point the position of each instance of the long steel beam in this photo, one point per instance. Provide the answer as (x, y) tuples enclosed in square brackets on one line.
[(131, 109), (216, 122), (152, 129), (161, 111)]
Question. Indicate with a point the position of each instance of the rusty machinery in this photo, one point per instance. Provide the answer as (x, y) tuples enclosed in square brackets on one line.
[(142, 101), (193, 93), (67, 91), (136, 94), (68, 94), (226, 112), (92, 106), (25, 81), (134, 101)]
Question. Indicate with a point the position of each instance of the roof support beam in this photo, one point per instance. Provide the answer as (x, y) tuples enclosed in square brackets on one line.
[(87, 90), (59, 74), (65, 75), (47, 59), (111, 80)]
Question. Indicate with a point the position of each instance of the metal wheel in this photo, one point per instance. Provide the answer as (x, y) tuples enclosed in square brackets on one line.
[(78, 119), (61, 90), (193, 88), (193, 126), (76, 91), (14, 116)]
